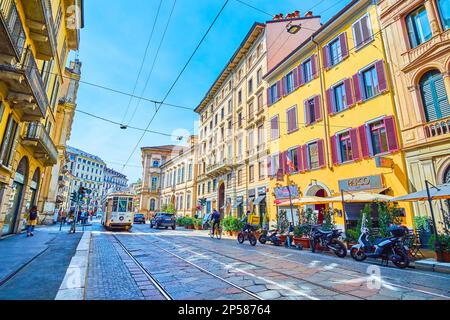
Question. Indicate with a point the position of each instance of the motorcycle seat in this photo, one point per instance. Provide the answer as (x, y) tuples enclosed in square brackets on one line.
[(324, 232)]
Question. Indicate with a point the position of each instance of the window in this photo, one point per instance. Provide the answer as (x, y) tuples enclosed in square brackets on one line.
[(291, 115), (230, 107), (444, 12), (362, 31), (370, 83), (345, 147), (216, 120), (273, 94), (275, 164), (222, 114), (434, 96), (209, 186), (418, 27), (54, 94), (378, 137), (239, 97), (9, 138), (240, 119), (307, 71), (261, 166), (313, 153), (339, 98), (229, 176), (188, 201), (240, 177), (293, 156), (289, 82), (250, 86), (250, 139), (152, 205), (250, 111), (310, 111), (260, 135), (58, 19), (190, 167), (274, 128), (259, 76), (260, 102), (335, 52), (251, 173), (155, 164)]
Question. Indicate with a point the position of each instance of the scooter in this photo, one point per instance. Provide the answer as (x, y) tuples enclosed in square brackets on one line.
[(247, 235), (327, 239), (388, 249), (269, 236)]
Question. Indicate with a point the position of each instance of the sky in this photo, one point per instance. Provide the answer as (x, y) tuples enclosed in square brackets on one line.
[(113, 43)]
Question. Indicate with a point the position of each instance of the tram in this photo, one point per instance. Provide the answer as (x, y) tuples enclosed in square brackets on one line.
[(119, 212)]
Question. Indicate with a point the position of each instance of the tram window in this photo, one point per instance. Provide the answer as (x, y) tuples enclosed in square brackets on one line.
[(114, 206), (123, 205), (130, 204)]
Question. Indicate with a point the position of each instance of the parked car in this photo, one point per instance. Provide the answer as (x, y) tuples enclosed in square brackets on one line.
[(164, 220), (139, 218)]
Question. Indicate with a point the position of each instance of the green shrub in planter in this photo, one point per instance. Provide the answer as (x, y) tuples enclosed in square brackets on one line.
[(188, 222), (444, 242), (301, 231), (180, 221), (231, 224), (198, 223), (352, 235)]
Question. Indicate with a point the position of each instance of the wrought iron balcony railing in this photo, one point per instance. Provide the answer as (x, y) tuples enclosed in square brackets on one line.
[(38, 138)]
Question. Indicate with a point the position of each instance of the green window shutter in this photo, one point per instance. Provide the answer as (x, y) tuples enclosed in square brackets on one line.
[(441, 98)]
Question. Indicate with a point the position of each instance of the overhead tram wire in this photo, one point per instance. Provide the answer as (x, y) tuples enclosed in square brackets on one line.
[(178, 78), (143, 60), (154, 61)]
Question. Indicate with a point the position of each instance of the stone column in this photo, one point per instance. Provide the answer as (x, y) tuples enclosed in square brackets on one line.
[(433, 18), (446, 76)]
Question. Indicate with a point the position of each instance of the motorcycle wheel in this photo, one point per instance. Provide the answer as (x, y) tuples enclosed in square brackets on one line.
[(262, 239), (252, 240), (341, 251), (358, 254), (404, 262), (241, 238)]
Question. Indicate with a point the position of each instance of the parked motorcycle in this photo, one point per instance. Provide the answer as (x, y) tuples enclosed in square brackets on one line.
[(269, 236), (327, 239), (247, 235), (388, 249)]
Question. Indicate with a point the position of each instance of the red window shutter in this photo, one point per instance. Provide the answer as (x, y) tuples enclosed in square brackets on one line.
[(307, 113), (330, 101), (279, 89), (357, 87), (296, 78), (344, 46), (283, 86), (269, 96), (355, 145), (391, 134), (321, 152), (305, 158), (301, 79), (363, 138), (317, 109), (325, 57), (349, 93), (280, 162), (314, 66), (299, 159), (334, 155), (269, 166), (381, 75)]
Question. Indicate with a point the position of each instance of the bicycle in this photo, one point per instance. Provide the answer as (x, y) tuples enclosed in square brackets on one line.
[(217, 233)]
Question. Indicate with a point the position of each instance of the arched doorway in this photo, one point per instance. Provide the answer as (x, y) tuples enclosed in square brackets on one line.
[(221, 196), (318, 190), (34, 187), (16, 198)]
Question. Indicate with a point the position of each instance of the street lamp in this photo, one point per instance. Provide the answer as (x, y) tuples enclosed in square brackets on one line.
[(293, 28)]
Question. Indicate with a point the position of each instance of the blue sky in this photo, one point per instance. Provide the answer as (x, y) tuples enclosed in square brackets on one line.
[(113, 43)]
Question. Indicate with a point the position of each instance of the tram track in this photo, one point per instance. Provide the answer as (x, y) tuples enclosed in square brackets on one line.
[(303, 279), (160, 287)]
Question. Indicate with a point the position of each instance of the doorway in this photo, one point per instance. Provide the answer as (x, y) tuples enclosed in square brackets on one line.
[(222, 199)]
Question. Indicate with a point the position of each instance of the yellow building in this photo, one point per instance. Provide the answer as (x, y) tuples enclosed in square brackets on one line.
[(332, 116), (33, 53)]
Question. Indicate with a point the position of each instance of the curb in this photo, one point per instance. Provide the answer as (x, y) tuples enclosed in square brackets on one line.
[(74, 283), (432, 265)]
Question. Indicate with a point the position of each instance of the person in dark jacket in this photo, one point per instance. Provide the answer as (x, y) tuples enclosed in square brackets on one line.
[(215, 217), (247, 227), (32, 221)]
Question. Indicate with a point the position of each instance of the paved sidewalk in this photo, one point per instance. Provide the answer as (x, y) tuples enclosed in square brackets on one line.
[(38, 264)]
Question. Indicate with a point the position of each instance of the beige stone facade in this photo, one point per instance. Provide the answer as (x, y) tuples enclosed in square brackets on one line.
[(419, 57)]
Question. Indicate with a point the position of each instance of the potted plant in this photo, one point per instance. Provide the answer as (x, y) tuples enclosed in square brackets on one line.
[(198, 224), (180, 221), (282, 224), (188, 223), (443, 255), (423, 226), (301, 233)]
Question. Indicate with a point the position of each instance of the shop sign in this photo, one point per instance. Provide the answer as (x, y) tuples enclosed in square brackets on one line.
[(283, 192), (383, 162), (361, 183)]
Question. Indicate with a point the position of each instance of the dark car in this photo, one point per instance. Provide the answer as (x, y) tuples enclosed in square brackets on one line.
[(164, 220), (139, 218)]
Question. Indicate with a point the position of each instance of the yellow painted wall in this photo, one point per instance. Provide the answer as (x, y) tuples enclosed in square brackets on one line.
[(381, 105)]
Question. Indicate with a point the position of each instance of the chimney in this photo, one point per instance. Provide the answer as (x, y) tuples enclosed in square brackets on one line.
[(309, 14), (297, 13)]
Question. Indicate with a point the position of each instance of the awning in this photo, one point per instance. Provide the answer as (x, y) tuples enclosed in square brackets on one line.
[(441, 193), (361, 196), (237, 204), (305, 201), (259, 200)]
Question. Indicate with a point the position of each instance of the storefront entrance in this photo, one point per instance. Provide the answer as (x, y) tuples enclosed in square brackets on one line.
[(15, 200)]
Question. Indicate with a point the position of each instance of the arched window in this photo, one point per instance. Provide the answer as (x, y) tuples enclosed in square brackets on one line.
[(444, 12), (434, 96), (152, 204)]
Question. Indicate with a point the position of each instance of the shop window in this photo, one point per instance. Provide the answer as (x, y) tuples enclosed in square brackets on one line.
[(418, 27), (434, 96)]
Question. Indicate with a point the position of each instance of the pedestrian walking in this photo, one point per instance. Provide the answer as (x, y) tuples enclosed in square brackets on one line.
[(71, 220), (64, 216), (32, 221)]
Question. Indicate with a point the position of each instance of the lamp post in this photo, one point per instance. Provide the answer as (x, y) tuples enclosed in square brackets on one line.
[(430, 202)]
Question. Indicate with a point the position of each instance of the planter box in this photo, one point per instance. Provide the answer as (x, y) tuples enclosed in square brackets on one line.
[(443, 256), (189, 227), (303, 241), (282, 238)]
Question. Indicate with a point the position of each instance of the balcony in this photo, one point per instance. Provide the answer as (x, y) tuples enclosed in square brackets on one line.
[(37, 138), (40, 22), (12, 34), (438, 128), (222, 167)]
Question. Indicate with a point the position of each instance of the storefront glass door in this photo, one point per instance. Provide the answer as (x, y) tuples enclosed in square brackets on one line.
[(13, 212)]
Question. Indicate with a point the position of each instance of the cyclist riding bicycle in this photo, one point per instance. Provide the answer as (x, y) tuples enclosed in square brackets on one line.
[(215, 218)]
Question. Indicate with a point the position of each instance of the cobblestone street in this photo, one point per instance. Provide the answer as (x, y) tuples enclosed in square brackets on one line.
[(148, 264)]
